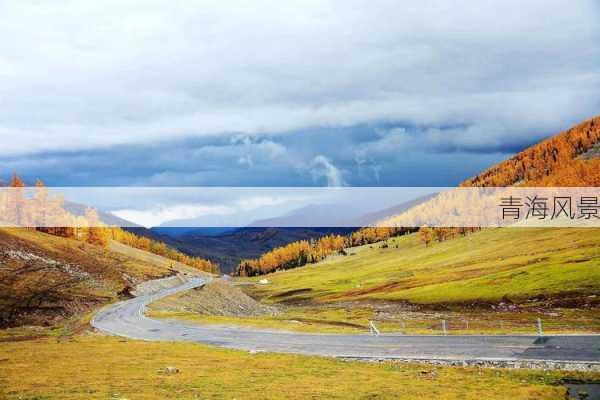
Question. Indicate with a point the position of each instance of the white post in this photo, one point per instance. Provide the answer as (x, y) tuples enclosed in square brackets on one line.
[(539, 327), (444, 327), (373, 329)]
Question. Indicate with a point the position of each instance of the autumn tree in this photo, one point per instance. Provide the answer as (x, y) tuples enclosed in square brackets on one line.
[(15, 208), (39, 209), (96, 234), (426, 235)]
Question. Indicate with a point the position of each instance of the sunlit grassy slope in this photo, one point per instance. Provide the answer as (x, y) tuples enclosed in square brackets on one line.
[(519, 263), (96, 367)]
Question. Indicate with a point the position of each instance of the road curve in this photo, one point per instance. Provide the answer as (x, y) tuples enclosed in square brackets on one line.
[(127, 319)]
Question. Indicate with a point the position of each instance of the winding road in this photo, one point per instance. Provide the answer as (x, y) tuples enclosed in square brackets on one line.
[(127, 319)]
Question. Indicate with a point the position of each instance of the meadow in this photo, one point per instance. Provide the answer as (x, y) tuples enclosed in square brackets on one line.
[(514, 264), (93, 366)]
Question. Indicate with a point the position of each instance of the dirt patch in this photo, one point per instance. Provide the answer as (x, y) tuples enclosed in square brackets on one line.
[(290, 293), (216, 298), (361, 292)]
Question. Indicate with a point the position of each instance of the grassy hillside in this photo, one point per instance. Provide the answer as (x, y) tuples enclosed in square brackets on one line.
[(483, 267), (496, 281), (45, 279)]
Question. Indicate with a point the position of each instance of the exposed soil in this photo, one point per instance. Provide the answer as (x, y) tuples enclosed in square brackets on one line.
[(294, 292)]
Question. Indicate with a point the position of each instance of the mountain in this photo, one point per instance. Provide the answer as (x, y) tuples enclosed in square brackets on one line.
[(228, 246), (311, 215), (372, 218)]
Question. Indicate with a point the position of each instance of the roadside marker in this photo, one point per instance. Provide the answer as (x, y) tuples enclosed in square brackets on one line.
[(373, 329)]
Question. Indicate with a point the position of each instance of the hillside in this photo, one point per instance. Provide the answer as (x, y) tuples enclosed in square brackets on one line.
[(484, 267), (45, 278), (495, 281), (570, 158)]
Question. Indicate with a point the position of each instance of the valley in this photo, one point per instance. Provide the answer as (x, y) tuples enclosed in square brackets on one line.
[(497, 281)]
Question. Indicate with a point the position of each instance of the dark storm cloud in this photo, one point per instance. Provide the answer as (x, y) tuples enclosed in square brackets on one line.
[(358, 156)]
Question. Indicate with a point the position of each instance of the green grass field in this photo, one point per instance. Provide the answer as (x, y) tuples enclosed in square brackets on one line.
[(518, 263), (97, 367)]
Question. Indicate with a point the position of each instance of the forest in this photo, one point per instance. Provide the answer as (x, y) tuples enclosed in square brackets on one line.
[(297, 254)]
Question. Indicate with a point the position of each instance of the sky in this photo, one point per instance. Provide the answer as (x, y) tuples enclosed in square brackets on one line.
[(293, 93)]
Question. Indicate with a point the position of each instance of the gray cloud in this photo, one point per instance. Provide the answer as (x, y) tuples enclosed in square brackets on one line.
[(84, 75), (322, 167)]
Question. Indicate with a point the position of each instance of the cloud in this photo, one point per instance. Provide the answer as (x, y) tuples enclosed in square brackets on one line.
[(74, 77), (321, 167)]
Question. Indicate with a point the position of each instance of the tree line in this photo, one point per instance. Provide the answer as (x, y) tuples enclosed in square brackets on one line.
[(303, 252), (45, 212)]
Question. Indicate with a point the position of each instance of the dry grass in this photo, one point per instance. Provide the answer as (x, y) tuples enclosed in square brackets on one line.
[(98, 367), (355, 319)]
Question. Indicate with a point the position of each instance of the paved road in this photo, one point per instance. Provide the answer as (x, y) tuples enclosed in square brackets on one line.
[(127, 319)]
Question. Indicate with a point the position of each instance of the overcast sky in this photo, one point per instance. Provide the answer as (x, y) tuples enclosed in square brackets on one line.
[(287, 92)]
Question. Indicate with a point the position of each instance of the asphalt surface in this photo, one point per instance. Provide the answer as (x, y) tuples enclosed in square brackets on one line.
[(127, 319)]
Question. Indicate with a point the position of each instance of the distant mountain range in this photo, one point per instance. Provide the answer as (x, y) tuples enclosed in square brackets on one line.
[(227, 249)]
